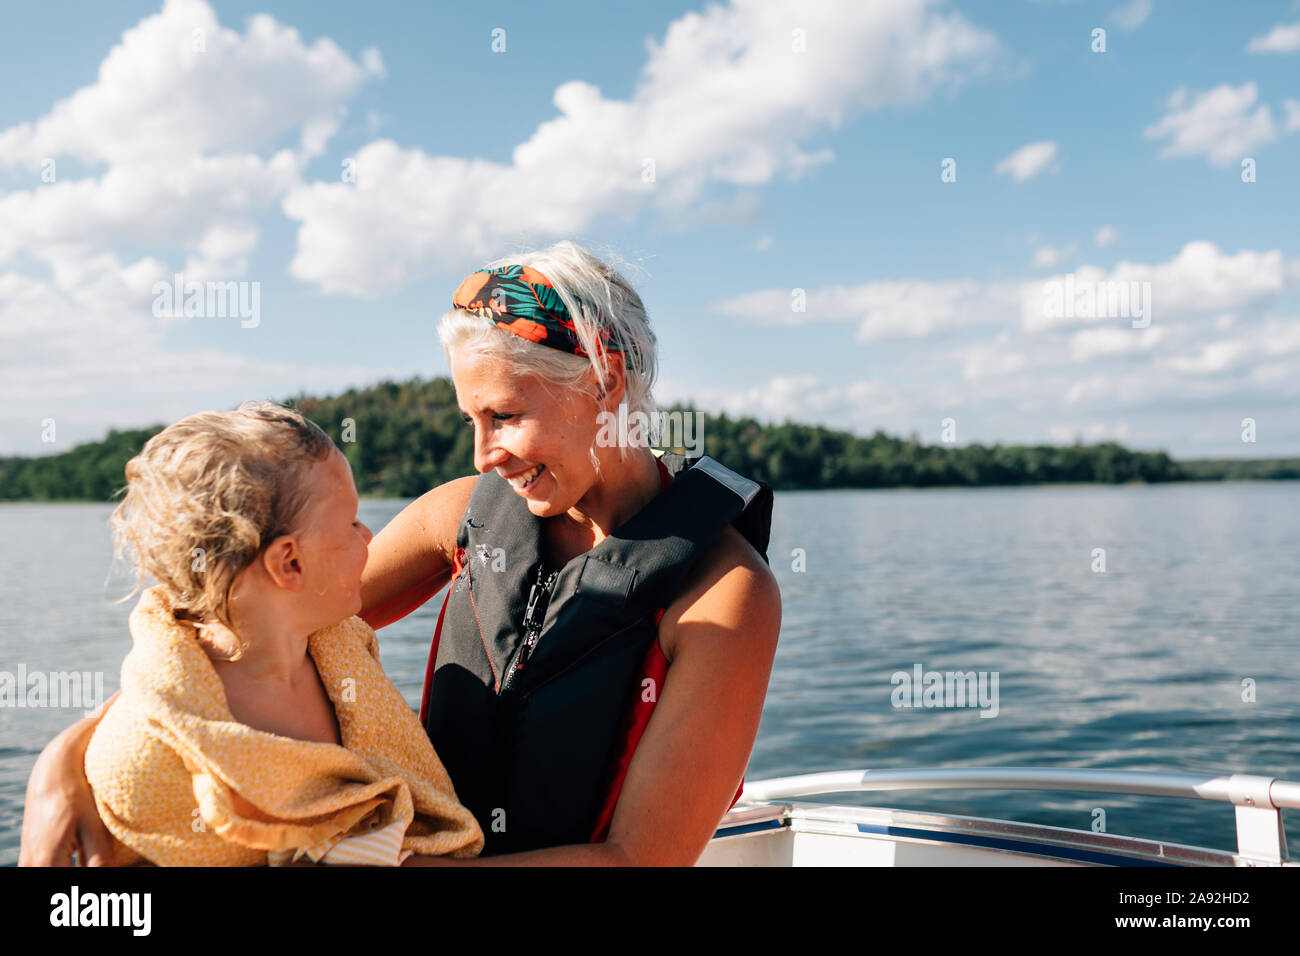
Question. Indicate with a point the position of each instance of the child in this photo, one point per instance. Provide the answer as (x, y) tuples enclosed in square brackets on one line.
[(255, 724)]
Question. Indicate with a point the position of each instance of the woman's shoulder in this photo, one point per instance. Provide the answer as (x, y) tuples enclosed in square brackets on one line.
[(730, 552), (731, 587)]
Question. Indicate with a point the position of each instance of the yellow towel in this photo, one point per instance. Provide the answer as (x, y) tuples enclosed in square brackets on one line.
[(181, 783)]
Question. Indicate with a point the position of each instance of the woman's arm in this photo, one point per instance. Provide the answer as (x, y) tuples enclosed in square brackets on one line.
[(721, 636), (411, 557), (59, 817)]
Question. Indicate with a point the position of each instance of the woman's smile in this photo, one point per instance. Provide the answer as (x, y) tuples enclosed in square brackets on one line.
[(525, 481)]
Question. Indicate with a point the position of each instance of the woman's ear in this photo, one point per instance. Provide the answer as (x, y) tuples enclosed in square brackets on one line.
[(613, 386)]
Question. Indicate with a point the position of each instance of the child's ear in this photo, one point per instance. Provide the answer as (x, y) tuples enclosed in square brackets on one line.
[(282, 562)]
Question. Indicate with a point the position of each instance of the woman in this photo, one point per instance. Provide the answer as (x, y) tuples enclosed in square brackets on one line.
[(598, 675)]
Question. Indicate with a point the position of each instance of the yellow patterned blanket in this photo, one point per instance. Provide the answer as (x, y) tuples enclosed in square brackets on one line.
[(181, 783)]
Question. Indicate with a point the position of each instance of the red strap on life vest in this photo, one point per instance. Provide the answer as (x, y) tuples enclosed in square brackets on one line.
[(457, 562), (649, 686)]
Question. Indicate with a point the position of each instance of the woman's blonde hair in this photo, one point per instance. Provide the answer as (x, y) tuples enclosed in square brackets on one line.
[(207, 494), (598, 299)]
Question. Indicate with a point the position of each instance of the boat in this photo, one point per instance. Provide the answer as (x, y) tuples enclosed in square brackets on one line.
[(772, 826)]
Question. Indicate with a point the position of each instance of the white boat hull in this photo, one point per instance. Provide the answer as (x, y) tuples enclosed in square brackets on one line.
[(788, 832)]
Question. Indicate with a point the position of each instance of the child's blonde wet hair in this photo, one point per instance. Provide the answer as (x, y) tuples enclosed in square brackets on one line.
[(207, 494)]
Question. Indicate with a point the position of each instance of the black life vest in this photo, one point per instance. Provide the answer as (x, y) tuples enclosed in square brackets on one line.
[(524, 706)]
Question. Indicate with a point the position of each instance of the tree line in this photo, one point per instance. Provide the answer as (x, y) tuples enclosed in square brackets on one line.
[(403, 438)]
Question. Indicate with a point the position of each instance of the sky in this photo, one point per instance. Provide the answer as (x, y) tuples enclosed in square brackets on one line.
[(979, 222)]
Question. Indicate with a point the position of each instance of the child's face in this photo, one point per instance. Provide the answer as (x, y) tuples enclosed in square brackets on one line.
[(335, 544)]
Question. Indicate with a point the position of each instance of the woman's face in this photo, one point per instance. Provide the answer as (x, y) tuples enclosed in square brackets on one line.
[(537, 438)]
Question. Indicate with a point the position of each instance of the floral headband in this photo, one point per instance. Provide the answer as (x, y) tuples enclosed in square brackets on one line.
[(523, 301)]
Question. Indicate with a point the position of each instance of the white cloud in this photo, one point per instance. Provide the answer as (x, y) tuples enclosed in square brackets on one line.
[(883, 310), (372, 61), (788, 397), (1091, 432), (1105, 236), (991, 361), (1090, 381), (1273, 374), (1028, 161), (1211, 358), (1048, 256), (1088, 344), (175, 114), (1132, 15), (86, 350), (722, 99), (221, 251), (1279, 337), (763, 244), (1179, 376), (1283, 38), (1198, 279), (1291, 122), (1089, 376), (184, 199), (156, 97), (1219, 124), (172, 134)]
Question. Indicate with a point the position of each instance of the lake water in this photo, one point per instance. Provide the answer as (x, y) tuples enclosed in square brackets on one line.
[(1139, 667)]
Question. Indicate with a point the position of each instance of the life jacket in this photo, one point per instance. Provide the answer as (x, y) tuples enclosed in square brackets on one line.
[(541, 680)]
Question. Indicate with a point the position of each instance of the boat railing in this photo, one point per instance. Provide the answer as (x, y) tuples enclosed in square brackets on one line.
[(1257, 800)]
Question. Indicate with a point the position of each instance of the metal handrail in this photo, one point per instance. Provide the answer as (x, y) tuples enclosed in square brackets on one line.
[(1240, 789)]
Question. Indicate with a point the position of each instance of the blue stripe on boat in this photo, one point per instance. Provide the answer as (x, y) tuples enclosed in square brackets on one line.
[(748, 828)]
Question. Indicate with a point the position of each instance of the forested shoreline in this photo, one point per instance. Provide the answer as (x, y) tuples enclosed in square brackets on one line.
[(403, 438)]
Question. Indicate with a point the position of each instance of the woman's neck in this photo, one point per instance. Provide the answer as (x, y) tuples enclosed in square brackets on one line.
[(622, 489)]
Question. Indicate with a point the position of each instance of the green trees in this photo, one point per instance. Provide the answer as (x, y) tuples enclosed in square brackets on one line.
[(88, 472), (403, 438)]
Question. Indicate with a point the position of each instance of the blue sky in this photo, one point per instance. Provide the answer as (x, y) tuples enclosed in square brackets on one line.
[(796, 145)]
